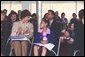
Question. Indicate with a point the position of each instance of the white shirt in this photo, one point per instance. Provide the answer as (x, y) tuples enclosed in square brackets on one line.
[(51, 21), (83, 21), (17, 25)]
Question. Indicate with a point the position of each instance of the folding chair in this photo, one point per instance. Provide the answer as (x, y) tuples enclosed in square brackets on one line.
[(11, 50), (7, 44), (56, 54), (30, 53), (75, 52)]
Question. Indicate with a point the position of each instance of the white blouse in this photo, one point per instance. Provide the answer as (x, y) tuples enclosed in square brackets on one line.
[(19, 25)]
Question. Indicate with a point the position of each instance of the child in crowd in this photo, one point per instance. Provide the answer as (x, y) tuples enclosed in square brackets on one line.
[(66, 41), (44, 36)]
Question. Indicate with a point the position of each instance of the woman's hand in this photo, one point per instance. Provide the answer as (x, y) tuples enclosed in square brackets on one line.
[(19, 31), (26, 32)]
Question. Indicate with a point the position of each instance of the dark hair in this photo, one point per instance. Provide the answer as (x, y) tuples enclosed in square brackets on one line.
[(25, 13), (69, 25), (57, 12), (12, 13), (2, 12), (45, 15), (34, 14), (74, 14), (5, 10), (62, 13), (53, 13), (19, 11), (81, 13)]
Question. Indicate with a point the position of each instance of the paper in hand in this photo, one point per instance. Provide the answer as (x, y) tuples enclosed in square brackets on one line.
[(49, 46)]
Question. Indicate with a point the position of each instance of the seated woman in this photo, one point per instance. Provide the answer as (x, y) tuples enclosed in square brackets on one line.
[(66, 41), (21, 32), (44, 36)]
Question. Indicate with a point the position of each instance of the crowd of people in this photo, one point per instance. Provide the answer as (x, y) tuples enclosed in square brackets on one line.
[(24, 25)]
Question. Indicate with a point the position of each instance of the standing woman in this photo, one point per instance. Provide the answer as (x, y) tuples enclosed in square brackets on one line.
[(25, 28)]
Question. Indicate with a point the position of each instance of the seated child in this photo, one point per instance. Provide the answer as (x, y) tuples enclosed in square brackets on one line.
[(66, 41), (44, 36)]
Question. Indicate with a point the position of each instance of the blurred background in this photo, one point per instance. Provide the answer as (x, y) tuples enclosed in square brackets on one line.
[(68, 7)]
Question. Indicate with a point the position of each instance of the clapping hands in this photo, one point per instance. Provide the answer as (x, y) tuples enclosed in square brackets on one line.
[(22, 31)]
